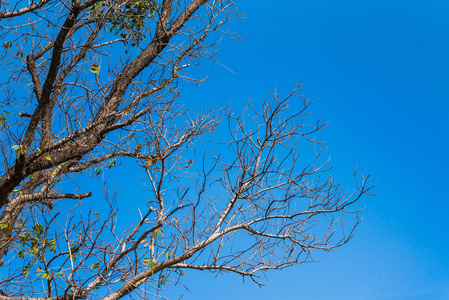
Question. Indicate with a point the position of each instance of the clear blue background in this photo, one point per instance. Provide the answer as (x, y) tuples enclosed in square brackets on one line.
[(378, 71)]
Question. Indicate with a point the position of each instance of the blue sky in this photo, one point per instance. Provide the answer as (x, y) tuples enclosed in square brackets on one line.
[(379, 73)]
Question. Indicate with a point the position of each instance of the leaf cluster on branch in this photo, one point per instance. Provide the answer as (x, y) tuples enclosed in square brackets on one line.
[(128, 21)]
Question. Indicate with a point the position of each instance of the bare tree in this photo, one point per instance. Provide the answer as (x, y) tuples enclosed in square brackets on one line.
[(94, 85)]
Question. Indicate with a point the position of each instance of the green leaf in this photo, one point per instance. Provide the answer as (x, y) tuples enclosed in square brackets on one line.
[(95, 69), (4, 225), (98, 170), (112, 163), (24, 238), (52, 245), (38, 229), (73, 248), (156, 232), (162, 280), (3, 120), (138, 149), (153, 264), (26, 270)]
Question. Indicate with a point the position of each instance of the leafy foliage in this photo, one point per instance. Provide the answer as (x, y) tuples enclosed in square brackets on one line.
[(35, 244), (3, 118), (128, 21)]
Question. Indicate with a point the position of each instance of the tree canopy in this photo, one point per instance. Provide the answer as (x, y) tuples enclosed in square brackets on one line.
[(91, 87)]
